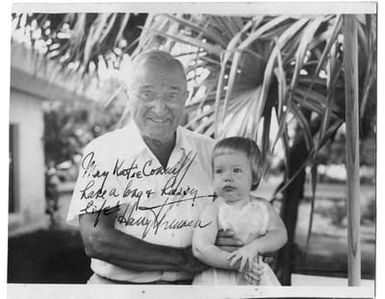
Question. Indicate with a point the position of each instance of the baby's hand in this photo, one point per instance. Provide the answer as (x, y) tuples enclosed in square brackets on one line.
[(246, 254), (254, 274)]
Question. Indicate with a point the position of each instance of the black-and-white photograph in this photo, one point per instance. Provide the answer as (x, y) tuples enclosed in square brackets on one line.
[(215, 150)]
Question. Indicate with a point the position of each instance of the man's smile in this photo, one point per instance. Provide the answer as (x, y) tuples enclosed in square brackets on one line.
[(158, 120)]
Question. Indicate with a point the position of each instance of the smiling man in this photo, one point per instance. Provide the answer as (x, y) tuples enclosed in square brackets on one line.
[(159, 91), (136, 221)]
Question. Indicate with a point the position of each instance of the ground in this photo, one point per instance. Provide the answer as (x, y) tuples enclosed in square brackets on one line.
[(47, 256)]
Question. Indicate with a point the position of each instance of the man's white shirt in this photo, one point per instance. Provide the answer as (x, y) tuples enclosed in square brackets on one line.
[(157, 205)]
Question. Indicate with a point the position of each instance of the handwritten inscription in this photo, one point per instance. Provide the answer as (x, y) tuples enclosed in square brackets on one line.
[(129, 208)]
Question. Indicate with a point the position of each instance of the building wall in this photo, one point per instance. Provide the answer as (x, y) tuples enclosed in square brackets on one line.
[(34, 79), (27, 114)]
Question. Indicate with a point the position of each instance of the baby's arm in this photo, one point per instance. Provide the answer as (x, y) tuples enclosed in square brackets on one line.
[(274, 239), (276, 234), (204, 241)]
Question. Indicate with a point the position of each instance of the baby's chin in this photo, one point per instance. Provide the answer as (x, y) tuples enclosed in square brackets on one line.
[(230, 198)]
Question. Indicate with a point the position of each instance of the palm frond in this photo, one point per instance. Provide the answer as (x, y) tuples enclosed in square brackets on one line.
[(313, 175), (213, 49), (307, 36), (203, 31)]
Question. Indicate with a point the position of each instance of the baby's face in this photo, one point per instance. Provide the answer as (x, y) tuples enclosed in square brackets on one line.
[(232, 176)]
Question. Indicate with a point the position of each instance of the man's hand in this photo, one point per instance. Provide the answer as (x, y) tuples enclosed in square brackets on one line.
[(227, 242), (192, 264)]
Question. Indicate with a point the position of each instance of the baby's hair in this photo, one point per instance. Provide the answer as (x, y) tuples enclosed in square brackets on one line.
[(243, 145)]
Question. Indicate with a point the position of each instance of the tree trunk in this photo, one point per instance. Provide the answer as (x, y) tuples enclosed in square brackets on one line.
[(352, 149), (292, 196), (289, 210)]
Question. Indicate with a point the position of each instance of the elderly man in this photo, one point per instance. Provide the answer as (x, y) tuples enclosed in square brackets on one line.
[(141, 188)]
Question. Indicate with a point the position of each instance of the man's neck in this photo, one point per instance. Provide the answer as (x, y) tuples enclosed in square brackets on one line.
[(161, 149)]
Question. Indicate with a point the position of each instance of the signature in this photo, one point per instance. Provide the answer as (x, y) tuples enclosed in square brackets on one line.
[(125, 211), (133, 171), (158, 221)]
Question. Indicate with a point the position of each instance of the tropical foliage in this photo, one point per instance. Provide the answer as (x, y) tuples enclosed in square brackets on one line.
[(263, 69), (69, 126), (81, 41)]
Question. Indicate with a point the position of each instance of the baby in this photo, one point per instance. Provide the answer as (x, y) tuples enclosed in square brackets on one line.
[(236, 172)]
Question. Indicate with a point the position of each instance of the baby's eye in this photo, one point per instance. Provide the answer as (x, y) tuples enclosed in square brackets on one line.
[(218, 171), (237, 170)]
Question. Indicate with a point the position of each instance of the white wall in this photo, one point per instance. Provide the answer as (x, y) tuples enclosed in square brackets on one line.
[(26, 112), (33, 80)]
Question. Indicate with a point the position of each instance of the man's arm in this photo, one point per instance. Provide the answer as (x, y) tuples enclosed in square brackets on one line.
[(226, 241), (106, 243)]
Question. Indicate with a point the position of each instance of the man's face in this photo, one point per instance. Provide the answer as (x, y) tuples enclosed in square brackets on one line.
[(158, 94)]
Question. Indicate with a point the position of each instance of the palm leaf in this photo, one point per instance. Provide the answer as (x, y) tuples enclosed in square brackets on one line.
[(371, 65), (282, 90), (213, 49), (262, 30), (237, 104), (331, 131), (198, 117), (248, 119), (266, 139), (231, 82), (328, 107), (106, 31), (227, 54), (269, 70), (95, 32), (121, 28), (330, 42), (281, 78), (237, 57), (204, 31), (303, 122), (313, 174), (307, 36)]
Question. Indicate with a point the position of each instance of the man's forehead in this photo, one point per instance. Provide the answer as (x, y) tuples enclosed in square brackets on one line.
[(152, 74)]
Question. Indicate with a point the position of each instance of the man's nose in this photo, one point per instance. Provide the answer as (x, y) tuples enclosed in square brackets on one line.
[(159, 105)]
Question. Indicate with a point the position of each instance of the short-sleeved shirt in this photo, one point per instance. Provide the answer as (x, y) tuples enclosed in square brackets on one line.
[(158, 205)]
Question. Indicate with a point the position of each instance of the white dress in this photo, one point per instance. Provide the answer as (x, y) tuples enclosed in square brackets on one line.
[(248, 222)]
